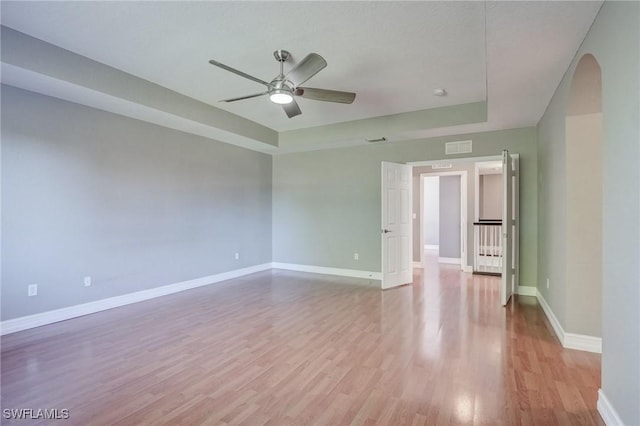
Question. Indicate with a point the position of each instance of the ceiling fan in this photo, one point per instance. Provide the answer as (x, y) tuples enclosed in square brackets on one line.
[(283, 88)]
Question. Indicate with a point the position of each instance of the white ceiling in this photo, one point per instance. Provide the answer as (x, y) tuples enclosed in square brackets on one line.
[(392, 54)]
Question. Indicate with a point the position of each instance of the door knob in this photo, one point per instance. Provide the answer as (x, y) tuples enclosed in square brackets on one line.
[(385, 231)]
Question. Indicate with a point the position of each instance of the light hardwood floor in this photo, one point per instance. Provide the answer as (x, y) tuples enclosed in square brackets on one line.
[(283, 347)]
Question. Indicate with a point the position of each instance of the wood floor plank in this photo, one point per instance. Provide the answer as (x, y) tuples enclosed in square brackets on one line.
[(281, 347)]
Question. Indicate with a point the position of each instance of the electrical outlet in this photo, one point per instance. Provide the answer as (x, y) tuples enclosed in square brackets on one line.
[(356, 256), (547, 282), (87, 281), (32, 290), (237, 256)]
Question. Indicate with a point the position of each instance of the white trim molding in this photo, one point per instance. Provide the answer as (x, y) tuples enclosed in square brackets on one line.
[(451, 260), (353, 273), (606, 410), (579, 342), (49, 317), (467, 268), (417, 265), (524, 290), (555, 324), (582, 342), (463, 208)]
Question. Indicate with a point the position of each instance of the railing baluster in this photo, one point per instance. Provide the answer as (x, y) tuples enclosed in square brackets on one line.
[(487, 246)]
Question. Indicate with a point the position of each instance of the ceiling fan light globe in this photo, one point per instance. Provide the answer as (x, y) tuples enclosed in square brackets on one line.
[(281, 97)]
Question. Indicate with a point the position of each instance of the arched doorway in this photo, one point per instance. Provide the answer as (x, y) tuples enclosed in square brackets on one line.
[(584, 149)]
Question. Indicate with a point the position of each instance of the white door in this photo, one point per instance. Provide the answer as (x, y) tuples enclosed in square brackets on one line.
[(515, 235), (397, 247), (506, 289)]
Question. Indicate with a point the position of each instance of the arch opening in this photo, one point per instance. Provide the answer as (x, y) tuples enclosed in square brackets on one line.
[(584, 149)]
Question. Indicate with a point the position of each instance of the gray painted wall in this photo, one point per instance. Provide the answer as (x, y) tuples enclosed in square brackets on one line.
[(490, 196), (449, 216), (326, 204), (131, 204), (584, 221), (614, 40), (431, 217)]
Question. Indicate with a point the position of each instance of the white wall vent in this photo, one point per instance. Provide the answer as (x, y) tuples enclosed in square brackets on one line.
[(441, 166), (459, 147)]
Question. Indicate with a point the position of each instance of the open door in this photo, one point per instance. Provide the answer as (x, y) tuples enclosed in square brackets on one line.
[(506, 289), (397, 247), (515, 225)]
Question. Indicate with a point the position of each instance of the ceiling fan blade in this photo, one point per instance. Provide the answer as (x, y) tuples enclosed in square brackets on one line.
[(235, 71), (305, 69), (325, 95), (243, 97), (292, 109)]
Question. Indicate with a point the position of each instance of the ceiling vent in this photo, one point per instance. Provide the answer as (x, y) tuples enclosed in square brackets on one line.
[(459, 147)]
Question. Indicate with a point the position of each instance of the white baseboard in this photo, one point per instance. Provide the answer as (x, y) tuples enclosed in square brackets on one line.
[(568, 340), (582, 342), (524, 290), (579, 342), (353, 273), (417, 264), (467, 268), (555, 324), (49, 317), (452, 260), (606, 410), (431, 247)]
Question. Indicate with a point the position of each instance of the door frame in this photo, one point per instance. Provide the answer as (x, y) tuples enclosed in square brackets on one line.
[(458, 160), (463, 214), (492, 159), (476, 181), (509, 232)]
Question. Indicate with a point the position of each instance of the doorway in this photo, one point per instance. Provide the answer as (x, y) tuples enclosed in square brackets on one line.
[(442, 221), (491, 206), (488, 183), (584, 152), (487, 220)]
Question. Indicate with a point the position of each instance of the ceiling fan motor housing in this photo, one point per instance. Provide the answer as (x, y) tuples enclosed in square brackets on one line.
[(281, 55)]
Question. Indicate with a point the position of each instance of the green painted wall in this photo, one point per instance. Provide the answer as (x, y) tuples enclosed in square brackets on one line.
[(614, 41), (326, 204)]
